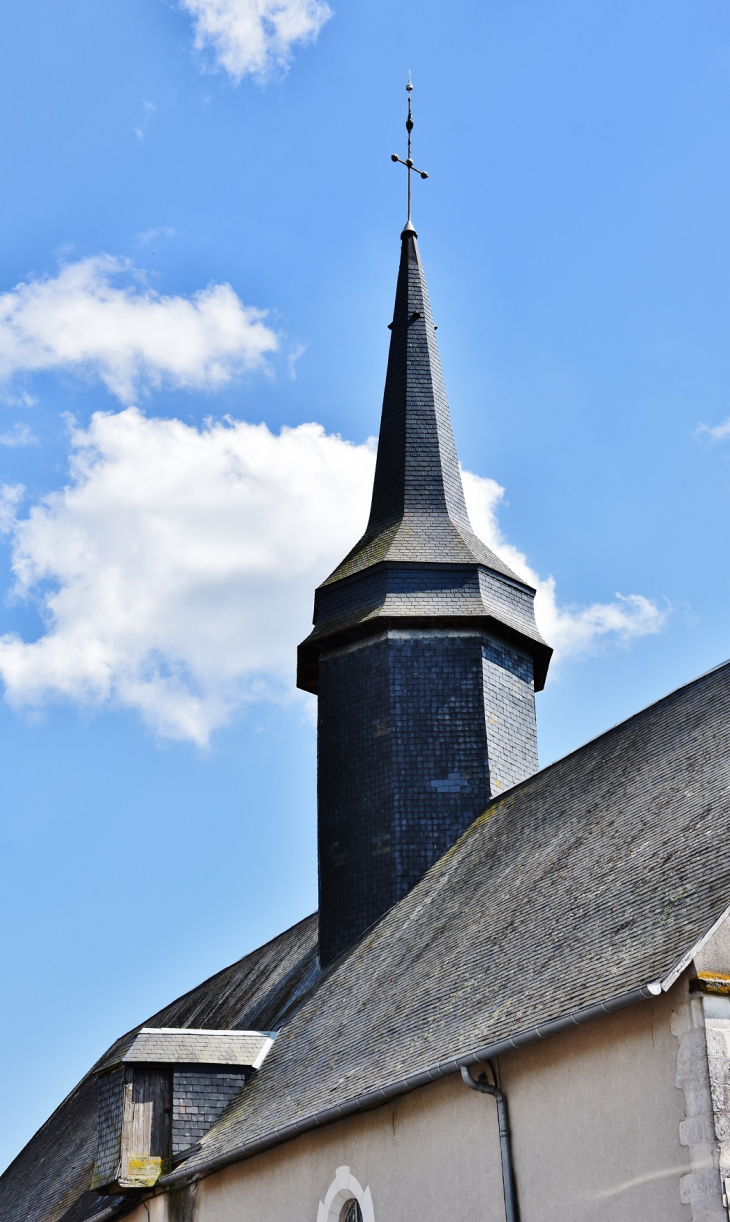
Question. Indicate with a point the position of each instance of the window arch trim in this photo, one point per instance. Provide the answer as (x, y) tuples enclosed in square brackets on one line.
[(342, 1189)]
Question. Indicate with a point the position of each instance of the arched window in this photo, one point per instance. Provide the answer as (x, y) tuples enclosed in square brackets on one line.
[(346, 1200)]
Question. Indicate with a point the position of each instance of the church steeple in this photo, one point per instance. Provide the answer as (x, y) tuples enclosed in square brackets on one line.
[(418, 513), (425, 654)]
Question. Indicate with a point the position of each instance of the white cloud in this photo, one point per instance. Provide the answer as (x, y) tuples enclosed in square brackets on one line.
[(175, 571), (98, 317), (23, 399), (10, 497), (573, 631), (254, 37), (140, 129), (720, 432), (19, 435), (151, 235)]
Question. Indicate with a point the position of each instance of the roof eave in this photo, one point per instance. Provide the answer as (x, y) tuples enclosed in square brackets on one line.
[(402, 1086)]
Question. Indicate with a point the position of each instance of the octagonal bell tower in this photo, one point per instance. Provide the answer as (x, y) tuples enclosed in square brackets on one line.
[(425, 655)]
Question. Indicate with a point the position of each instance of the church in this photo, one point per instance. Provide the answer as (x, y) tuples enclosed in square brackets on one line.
[(514, 1000)]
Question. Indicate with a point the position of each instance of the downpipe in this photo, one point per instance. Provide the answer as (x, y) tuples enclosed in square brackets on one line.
[(482, 1084)]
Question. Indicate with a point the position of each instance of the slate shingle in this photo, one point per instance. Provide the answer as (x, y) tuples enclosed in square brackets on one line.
[(52, 1174), (167, 1045), (588, 880), (591, 878), (419, 558)]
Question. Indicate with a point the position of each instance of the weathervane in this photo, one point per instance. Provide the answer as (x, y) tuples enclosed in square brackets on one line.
[(408, 163)]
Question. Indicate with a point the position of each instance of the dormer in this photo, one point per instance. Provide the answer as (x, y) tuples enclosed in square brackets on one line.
[(162, 1093)]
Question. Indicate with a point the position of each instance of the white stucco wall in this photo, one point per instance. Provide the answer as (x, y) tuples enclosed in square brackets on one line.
[(596, 1120), (420, 1158), (596, 1116)]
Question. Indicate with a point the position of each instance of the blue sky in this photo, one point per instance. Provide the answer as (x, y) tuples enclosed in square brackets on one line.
[(201, 228)]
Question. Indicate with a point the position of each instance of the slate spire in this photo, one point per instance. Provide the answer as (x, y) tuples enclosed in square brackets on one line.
[(418, 518), (418, 513)]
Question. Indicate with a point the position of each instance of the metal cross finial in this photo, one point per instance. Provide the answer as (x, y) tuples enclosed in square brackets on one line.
[(408, 163)]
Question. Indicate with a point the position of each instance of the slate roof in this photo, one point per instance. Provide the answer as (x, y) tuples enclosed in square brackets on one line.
[(48, 1181), (587, 880), (171, 1045), (590, 879), (418, 512), (419, 558)]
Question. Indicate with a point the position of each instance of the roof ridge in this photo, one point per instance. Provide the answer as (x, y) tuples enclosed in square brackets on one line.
[(221, 971), (617, 725), (521, 786)]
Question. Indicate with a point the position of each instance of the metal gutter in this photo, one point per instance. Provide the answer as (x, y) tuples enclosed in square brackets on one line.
[(361, 1103), (115, 1211)]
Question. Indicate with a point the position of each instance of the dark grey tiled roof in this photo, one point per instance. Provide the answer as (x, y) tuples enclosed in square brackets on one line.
[(589, 879), (392, 594), (419, 558), (418, 513), (173, 1045), (48, 1181)]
